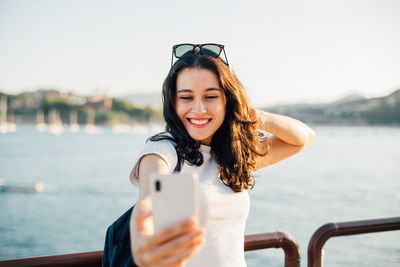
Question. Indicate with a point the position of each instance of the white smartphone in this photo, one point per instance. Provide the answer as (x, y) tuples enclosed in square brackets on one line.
[(174, 198)]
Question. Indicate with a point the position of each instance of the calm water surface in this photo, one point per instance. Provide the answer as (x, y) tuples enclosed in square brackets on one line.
[(348, 173)]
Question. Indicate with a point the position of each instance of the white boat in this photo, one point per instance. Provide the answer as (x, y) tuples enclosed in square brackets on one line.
[(73, 122), (3, 128), (156, 128), (6, 126), (55, 124), (122, 125), (140, 128), (41, 126), (90, 127), (121, 128), (11, 126), (3, 115), (22, 188)]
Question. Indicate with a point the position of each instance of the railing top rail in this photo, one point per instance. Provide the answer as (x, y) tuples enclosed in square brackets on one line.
[(90, 259)]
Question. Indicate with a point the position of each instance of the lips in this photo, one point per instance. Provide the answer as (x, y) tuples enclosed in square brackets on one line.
[(199, 122)]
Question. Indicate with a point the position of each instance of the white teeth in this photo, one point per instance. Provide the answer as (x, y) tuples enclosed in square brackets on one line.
[(198, 122)]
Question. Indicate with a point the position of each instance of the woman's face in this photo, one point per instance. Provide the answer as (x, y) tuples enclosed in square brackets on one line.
[(200, 103)]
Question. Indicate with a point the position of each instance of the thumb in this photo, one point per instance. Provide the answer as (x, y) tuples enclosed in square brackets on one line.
[(142, 219)]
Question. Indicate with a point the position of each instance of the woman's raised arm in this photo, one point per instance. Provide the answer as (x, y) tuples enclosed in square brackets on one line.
[(289, 136)]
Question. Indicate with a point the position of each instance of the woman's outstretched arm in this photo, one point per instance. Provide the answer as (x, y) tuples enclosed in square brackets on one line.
[(289, 136), (170, 247)]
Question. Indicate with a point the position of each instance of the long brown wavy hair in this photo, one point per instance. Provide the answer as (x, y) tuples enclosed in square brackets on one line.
[(235, 145)]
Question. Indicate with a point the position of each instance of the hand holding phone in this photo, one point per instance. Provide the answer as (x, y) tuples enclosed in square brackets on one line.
[(147, 246)]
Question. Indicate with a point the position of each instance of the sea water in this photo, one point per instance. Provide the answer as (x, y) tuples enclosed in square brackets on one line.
[(348, 173)]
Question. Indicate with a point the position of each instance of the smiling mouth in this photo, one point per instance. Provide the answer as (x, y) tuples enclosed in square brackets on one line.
[(199, 122)]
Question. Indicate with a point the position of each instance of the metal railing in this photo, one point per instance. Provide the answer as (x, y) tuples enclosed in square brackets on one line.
[(275, 240), (94, 258), (89, 259), (252, 242), (316, 244)]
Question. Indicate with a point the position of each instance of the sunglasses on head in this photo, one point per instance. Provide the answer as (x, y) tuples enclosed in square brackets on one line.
[(213, 50)]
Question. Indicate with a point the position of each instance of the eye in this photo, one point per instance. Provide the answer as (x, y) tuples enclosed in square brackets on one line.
[(185, 97), (211, 96)]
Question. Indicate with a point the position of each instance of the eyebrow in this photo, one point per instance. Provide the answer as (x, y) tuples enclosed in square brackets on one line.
[(189, 90)]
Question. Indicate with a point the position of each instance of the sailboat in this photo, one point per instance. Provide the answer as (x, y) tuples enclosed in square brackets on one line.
[(5, 126), (55, 124), (73, 121), (156, 127), (3, 115), (90, 127), (41, 126), (122, 124), (139, 127), (11, 126)]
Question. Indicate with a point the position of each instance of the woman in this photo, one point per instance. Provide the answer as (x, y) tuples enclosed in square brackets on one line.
[(215, 132)]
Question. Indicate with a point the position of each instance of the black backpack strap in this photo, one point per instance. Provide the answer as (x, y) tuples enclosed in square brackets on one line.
[(117, 247), (178, 166), (179, 162)]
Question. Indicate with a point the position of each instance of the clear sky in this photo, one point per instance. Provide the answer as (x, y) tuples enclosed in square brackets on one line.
[(283, 51)]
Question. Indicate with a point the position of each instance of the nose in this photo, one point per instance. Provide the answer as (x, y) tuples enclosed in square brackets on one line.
[(199, 106)]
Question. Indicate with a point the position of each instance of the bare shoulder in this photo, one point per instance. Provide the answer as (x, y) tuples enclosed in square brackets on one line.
[(148, 164), (152, 163)]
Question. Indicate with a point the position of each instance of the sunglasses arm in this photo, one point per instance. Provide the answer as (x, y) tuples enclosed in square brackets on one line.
[(227, 63)]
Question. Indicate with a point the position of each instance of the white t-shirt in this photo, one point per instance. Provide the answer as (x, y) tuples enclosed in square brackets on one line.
[(225, 211)]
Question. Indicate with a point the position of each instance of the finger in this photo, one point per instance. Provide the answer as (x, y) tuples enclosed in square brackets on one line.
[(170, 233), (178, 259), (183, 242)]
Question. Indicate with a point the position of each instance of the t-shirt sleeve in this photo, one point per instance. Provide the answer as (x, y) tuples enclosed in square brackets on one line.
[(163, 148)]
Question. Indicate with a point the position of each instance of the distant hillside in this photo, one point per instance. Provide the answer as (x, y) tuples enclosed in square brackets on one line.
[(349, 98), (353, 109)]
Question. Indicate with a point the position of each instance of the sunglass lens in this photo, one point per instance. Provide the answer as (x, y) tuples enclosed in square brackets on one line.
[(182, 49), (211, 50)]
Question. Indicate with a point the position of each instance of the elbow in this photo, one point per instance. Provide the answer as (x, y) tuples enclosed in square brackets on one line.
[(308, 137), (311, 135), (305, 138)]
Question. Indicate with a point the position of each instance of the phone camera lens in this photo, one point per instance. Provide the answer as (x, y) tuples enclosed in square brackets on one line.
[(158, 186)]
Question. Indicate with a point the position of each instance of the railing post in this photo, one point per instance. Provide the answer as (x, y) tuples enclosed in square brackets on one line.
[(275, 240), (329, 230)]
